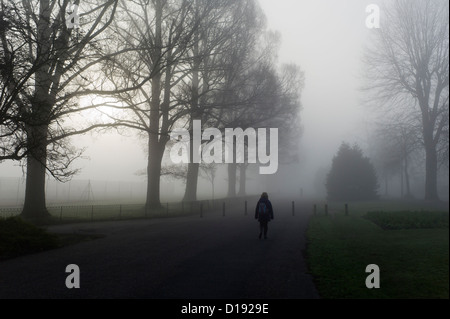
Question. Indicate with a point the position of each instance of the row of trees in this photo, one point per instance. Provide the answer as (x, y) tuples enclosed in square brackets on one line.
[(156, 64)]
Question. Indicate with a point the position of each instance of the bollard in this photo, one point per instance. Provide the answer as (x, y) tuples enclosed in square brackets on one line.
[(326, 209), (245, 208), (223, 209), (293, 208), (346, 209), (315, 209)]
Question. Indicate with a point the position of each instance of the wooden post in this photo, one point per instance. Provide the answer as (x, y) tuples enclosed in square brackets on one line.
[(182, 207), (346, 209), (245, 208), (326, 209), (92, 213), (120, 212), (293, 208), (223, 209), (201, 209), (60, 213), (167, 208), (315, 209)]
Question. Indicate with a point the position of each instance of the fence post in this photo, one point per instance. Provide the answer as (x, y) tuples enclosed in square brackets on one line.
[(182, 207), (245, 208), (315, 209), (201, 209), (223, 209), (326, 209), (120, 212), (167, 208), (293, 208), (346, 209), (60, 213), (92, 213)]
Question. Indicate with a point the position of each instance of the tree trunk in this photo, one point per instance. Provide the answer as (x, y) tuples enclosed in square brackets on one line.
[(242, 179), (190, 194), (406, 174), (232, 170), (154, 151), (34, 205), (154, 175), (431, 175), (431, 162)]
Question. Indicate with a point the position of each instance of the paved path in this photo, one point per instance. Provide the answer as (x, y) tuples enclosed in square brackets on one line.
[(213, 257)]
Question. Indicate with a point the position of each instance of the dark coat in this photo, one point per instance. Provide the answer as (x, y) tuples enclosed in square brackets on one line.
[(269, 207)]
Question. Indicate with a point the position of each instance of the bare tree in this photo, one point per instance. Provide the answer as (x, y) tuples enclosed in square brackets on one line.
[(46, 54), (407, 69)]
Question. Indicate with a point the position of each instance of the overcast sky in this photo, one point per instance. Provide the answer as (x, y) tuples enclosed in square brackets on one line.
[(325, 38)]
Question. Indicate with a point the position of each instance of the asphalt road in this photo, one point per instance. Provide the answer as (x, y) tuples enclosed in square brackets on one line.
[(213, 257)]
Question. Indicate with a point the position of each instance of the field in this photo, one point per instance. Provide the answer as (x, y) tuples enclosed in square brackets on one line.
[(409, 243)]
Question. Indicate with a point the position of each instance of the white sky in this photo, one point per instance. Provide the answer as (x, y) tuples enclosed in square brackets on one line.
[(324, 37)]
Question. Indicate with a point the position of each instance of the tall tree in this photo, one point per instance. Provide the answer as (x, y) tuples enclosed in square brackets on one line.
[(408, 70), (57, 54)]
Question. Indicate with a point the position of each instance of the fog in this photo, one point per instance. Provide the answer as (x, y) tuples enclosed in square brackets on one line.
[(325, 38)]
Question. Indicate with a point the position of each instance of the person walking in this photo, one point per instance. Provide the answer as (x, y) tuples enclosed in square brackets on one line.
[(264, 214)]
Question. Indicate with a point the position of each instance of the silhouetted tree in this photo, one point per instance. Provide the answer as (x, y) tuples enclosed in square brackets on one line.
[(352, 176), (43, 55), (408, 72)]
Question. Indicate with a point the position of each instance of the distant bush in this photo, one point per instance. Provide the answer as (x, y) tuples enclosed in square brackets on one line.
[(352, 176), (18, 237), (409, 220)]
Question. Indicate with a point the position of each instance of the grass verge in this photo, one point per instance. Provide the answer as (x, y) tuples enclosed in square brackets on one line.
[(414, 263), (19, 237)]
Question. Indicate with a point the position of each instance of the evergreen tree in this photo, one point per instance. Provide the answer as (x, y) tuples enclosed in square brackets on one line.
[(352, 176)]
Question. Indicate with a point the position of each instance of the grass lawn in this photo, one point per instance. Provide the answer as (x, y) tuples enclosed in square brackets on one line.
[(18, 237), (414, 263)]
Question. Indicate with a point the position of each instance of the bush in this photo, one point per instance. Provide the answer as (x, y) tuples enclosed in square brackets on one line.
[(18, 237), (409, 220)]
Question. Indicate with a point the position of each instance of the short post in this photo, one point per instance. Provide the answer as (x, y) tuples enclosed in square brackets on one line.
[(60, 213), (346, 209), (315, 209), (293, 208), (223, 209), (182, 207), (167, 208), (326, 209), (201, 209), (245, 208), (120, 212), (192, 206), (92, 213)]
